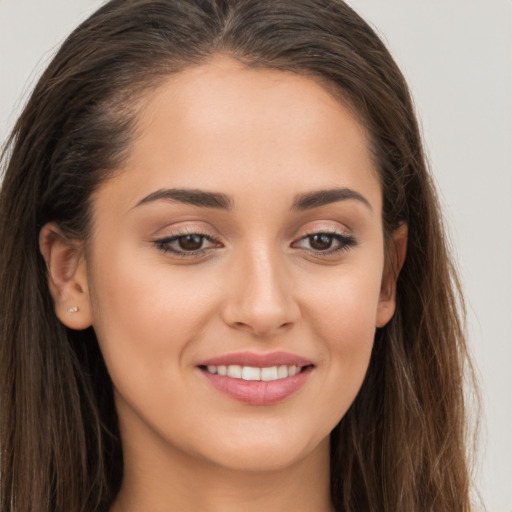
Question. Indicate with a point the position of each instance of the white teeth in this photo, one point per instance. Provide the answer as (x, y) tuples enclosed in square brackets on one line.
[(266, 374), (282, 372), (235, 371), (250, 373), (269, 373)]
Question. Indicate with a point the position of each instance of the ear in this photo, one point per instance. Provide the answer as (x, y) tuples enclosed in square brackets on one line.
[(67, 277), (394, 262)]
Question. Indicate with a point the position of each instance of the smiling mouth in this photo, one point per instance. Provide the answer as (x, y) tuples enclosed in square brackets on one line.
[(257, 385), (252, 373)]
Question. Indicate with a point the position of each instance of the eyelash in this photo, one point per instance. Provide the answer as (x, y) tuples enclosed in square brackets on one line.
[(345, 243), (164, 244)]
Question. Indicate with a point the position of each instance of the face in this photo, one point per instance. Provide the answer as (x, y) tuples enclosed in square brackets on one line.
[(241, 240)]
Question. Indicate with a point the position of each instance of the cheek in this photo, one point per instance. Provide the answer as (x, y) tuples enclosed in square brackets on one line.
[(343, 305), (342, 317), (147, 317), (146, 310)]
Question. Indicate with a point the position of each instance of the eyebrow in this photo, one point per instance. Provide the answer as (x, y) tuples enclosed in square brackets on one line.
[(323, 197), (190, 196), (221, 201)]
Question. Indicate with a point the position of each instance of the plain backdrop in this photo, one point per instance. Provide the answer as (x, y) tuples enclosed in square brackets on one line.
[(457, 57)]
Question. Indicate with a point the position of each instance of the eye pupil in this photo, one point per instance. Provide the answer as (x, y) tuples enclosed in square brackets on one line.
[(321, 241), (190, 242)]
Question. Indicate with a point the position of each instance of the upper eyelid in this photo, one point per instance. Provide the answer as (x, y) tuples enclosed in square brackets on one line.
[(178, 234), (324, 225), (169, 233), (328, 230), (200, 226), (191, 231)]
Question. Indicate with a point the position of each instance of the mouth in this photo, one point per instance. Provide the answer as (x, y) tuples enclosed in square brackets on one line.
[(257, 379), (253, 373)]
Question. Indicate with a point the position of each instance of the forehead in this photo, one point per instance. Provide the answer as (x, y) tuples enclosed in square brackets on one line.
[(223, 126)]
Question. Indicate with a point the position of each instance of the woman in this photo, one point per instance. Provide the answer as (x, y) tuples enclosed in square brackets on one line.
[(223, 274)]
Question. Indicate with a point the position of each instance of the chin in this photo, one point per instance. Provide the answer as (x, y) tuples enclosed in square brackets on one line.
[(274, 452)]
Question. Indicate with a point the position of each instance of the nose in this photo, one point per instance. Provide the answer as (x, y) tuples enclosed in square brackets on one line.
[(261, 295)]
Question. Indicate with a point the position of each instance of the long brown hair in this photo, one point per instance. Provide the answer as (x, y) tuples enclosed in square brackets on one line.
[(401, 445)]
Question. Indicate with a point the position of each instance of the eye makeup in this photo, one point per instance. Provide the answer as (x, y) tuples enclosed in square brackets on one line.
[(191, 243), (325, 243), (187, 244)]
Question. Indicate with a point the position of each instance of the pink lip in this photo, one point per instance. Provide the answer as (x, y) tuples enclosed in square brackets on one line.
[(257, 360), (258, 392)]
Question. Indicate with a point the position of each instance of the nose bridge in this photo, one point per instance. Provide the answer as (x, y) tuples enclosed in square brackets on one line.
[(263, 300)]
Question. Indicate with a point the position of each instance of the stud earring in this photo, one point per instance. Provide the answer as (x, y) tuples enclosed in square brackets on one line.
[(72, 310)]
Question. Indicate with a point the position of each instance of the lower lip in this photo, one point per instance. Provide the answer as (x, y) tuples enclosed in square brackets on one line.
[(256, 392)]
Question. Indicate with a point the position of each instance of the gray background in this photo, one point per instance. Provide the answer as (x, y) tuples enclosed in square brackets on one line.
[(456, 55)]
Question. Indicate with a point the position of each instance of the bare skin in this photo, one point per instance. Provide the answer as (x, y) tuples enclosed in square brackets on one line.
[(168, 284)]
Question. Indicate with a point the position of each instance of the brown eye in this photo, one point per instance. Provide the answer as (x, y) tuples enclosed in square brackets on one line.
[(187, 244), (190, 242), (325, 244), (320, 241)]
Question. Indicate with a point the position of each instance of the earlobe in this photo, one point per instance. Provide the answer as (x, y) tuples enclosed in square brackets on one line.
[(393, 265), (67, 277)]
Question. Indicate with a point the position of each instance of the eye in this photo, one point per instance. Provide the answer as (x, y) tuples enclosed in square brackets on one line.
[(190, 242), (326, 243), (321, 241), (186, 244)]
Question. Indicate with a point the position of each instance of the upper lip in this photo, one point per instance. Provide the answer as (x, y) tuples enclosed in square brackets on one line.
[(256, 360)]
